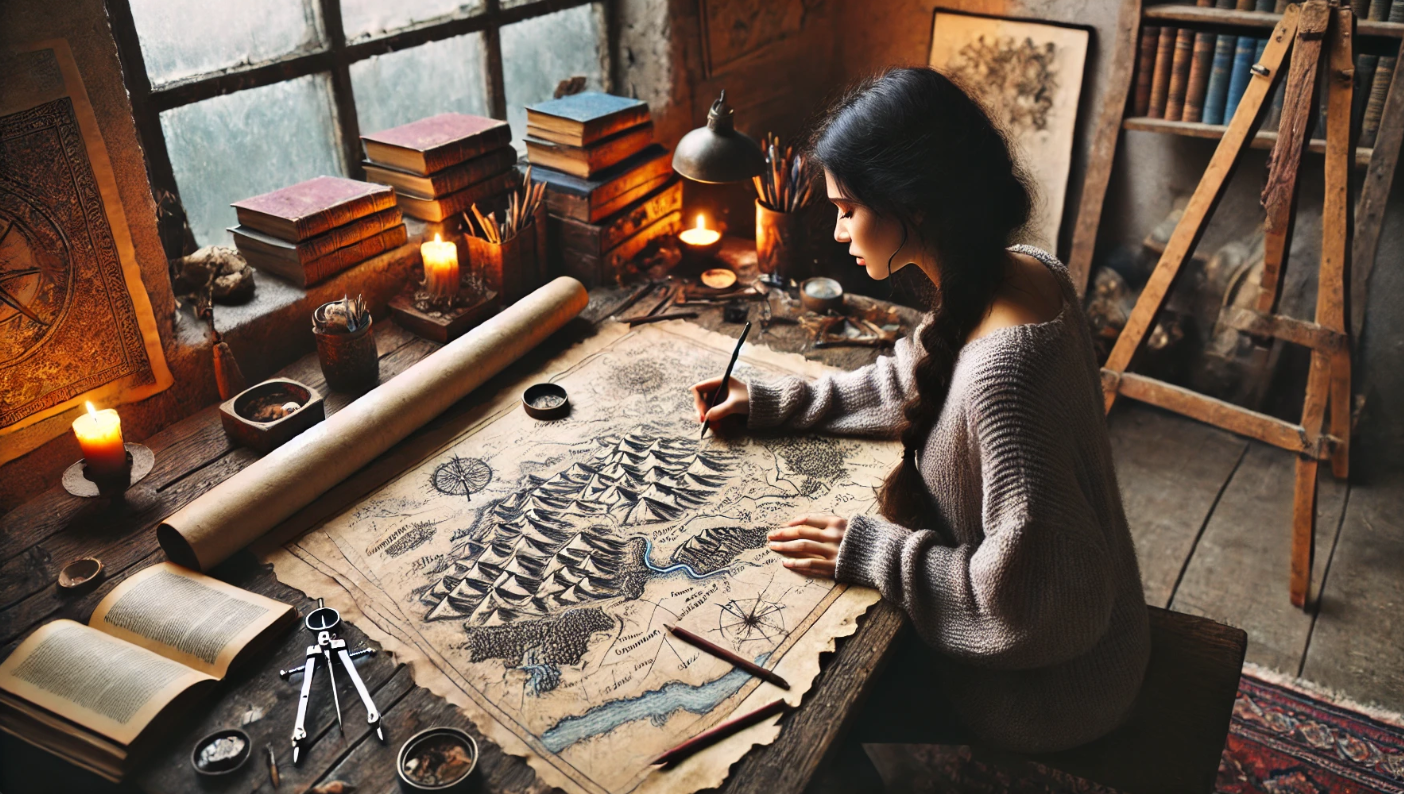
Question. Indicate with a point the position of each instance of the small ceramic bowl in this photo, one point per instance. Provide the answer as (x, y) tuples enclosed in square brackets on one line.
[(821, 294), (440, 760), (545, 401)]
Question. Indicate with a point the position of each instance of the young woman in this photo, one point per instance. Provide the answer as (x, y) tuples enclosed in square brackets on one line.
[(1001, 532)]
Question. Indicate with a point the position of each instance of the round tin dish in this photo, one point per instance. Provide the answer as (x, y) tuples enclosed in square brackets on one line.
[(718, 278), (221, 752), (434, 760), (821, 294), (545, 401)]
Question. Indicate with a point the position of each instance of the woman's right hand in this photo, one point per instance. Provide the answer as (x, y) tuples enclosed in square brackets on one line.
[(737, 400)]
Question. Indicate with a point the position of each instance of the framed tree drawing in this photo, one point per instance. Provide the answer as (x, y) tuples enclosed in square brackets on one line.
[(1029, 77)]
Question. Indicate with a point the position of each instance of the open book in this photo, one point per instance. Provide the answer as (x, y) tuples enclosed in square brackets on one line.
[(99, 695)]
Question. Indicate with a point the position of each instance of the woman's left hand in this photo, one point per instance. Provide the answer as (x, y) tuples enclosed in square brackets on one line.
[(810, 543)]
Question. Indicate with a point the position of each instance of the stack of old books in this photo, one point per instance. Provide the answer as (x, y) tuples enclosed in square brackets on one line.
[(610, 189), (313, 230), (442, 165)]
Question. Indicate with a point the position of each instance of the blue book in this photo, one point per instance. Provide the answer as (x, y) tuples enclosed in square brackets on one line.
[(1217, 93), (1239, 74), (581, 119)]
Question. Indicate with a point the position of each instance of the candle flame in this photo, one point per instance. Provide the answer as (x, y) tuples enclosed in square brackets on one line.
[(91, 409), (701, 224), (436, 238)]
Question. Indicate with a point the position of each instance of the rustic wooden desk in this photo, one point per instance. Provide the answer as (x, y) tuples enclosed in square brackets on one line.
[(53, 528)]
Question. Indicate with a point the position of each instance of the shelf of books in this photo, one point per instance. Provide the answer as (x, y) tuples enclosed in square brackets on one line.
[(1194, 62), (1265, 139)]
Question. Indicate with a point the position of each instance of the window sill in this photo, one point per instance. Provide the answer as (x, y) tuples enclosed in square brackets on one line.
[(275, 328)]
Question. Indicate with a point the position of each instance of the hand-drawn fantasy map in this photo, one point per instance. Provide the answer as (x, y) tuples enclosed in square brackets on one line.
[(526, 569)]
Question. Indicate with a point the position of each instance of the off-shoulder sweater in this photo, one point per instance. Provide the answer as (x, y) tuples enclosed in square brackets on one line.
[(1024, 575)]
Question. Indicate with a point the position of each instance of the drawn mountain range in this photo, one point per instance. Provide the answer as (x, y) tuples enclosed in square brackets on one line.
[(558, 542)]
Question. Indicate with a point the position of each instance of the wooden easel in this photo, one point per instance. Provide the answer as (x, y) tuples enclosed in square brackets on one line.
[(1302, 32)]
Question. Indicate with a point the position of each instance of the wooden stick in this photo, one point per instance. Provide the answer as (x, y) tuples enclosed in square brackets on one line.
[(653, 318), (709, 738), (726, 655)]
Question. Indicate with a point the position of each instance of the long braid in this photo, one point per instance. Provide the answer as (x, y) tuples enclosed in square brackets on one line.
[(914, 147)]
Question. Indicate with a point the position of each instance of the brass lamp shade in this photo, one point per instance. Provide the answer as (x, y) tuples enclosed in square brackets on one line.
[(717, 153)]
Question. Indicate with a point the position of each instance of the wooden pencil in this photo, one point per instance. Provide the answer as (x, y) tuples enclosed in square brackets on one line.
[(711, 737), (726, 655)]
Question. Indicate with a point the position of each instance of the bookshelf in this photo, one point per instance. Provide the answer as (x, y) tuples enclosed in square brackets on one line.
[(1263, 20), (1265, 139)]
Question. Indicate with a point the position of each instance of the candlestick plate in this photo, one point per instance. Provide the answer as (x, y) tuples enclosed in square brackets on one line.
[(440, 325), (140, 460)]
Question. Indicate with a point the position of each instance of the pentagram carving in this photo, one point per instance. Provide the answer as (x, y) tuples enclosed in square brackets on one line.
[(75, 320)]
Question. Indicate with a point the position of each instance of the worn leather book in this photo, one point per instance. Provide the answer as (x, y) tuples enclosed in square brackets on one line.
[(101, 695), (582, 119), (1365, 65), (1374, 106), (1160, 82), (594, 198), (1145, 69), (570, 237), (584, 161), (437, 209), (449, 180), (1216, 95), (1179, 74), (1239, 74), (435, 143), (247, 239), (305, 274), (310, 208), (610, 266), (1197, 86)]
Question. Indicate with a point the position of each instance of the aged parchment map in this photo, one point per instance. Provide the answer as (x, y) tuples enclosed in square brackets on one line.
[(525, 569)]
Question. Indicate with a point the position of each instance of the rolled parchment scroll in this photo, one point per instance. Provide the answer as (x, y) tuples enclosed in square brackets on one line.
[(241, 509)]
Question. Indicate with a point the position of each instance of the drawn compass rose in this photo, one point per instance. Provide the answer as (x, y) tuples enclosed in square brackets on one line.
[(34, 280), (22, 277)]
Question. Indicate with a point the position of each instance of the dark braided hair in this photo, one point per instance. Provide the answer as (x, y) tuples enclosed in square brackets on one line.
[(912, 146)]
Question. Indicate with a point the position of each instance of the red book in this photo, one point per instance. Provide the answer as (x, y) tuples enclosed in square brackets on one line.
[(308, 273), (310, 208), (428, 145)]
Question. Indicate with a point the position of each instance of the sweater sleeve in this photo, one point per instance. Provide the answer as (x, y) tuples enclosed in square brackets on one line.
[(1034, 591), (865, 402)]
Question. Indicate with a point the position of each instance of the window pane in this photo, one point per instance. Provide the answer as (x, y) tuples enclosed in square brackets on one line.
[(184, 38), (438, 77), (538, 53), (364, 19), (246, 143)]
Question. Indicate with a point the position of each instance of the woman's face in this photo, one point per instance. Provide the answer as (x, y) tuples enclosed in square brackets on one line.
[(870, 238)]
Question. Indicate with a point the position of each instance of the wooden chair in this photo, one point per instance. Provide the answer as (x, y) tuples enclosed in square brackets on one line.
[(1175, 735)]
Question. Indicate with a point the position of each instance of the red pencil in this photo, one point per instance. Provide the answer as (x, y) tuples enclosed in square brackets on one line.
[(722, 653), (709, 738)]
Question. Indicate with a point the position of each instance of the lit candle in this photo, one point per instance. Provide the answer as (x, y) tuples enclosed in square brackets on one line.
[(701, 236), (100, 435), (440, 267)]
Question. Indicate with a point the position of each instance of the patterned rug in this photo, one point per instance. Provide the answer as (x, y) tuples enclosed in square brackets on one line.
[(1284, 739)]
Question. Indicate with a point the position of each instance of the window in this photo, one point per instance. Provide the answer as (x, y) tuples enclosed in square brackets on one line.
[(236, 99)]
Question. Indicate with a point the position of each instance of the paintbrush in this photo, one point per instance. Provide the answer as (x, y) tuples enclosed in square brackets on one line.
[(720, 390)]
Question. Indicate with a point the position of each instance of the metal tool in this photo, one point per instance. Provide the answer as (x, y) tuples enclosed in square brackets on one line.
[(323, 621)]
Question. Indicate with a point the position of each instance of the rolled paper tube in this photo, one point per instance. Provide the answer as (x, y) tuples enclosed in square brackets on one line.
[(244, 507)]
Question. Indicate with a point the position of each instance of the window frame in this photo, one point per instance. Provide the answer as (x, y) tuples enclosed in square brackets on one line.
[(334, 58)]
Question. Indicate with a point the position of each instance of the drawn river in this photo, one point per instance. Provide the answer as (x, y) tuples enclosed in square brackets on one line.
[(681, 566), (656, 705)]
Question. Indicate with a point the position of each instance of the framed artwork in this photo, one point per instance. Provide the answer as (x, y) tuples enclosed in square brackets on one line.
[(1029, 77), (75, 321)]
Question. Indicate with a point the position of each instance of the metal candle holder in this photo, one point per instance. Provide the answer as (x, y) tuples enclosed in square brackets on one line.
[(79, 481)]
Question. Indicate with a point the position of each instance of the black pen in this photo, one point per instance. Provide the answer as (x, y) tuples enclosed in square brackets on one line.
[(716, 395)]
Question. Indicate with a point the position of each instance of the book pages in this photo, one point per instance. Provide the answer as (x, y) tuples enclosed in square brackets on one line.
[(525, 569), (106, 685), (196, 620)]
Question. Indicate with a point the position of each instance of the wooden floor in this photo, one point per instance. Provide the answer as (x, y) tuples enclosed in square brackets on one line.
[(1211, 515)]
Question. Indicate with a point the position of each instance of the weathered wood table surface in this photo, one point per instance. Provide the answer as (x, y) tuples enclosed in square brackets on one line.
[(53, 528)]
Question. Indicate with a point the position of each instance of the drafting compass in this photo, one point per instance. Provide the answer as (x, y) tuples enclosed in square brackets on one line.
[(323, 621)]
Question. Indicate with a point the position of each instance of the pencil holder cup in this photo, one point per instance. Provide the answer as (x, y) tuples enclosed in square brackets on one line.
[(516, 266), (349, 360), (776, 238)]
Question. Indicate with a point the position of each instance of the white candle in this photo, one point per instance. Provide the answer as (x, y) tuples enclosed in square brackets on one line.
[(701, 236), (100, 435), (440, 267)]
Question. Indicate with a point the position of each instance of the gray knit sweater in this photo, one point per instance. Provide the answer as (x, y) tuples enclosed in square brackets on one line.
[(1025, 576)]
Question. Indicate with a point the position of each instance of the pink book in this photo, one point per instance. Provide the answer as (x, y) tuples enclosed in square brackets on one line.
[(310, 208), (433, 144)]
